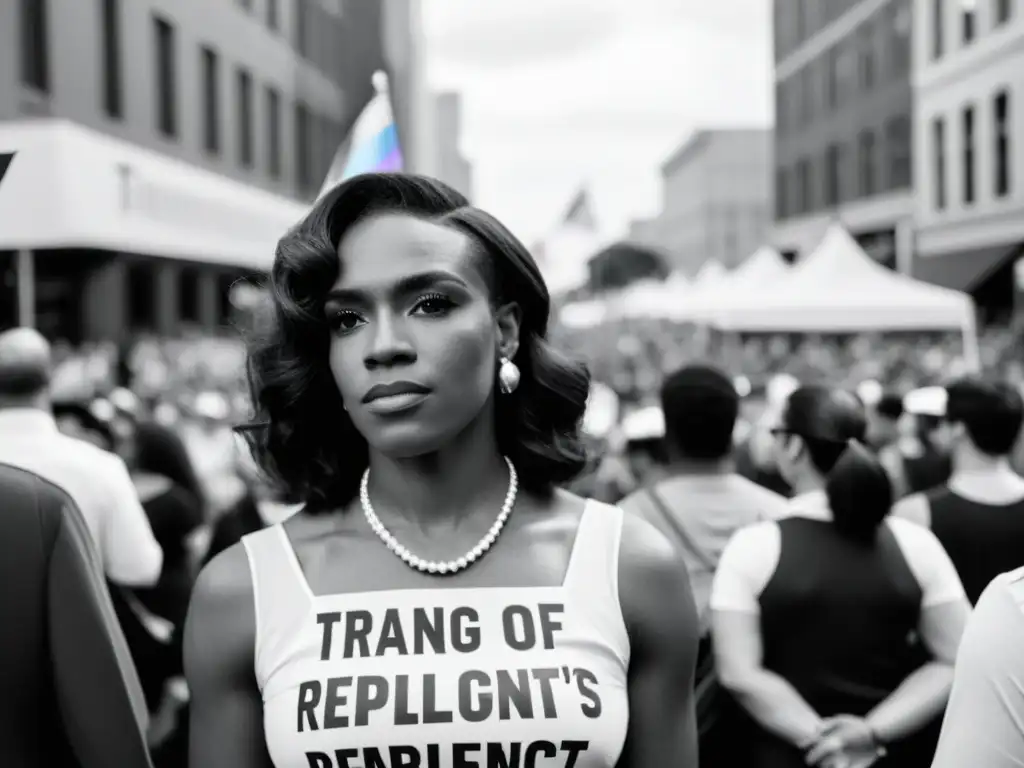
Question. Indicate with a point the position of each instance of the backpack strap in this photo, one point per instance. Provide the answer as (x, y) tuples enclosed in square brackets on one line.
[(680, 530)]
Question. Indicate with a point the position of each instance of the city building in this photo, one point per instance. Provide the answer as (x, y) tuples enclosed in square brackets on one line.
[(969, 168), (452, 165), (716, 199), (190, 135), (843, 130)]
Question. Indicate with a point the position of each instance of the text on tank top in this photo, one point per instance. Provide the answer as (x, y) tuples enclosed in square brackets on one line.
[(441, 678), (982, 540), (839, 619)]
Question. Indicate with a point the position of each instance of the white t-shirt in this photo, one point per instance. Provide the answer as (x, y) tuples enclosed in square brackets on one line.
[(752, 555), (984, 724), (100, 486)]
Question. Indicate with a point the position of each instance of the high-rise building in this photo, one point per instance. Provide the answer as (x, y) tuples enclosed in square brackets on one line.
[(843, 124), (969, 167), (716, 199), (452, 165), (162, 146)]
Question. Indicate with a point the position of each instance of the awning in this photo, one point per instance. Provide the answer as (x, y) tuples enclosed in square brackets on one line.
[(67, 186), (964, 270)]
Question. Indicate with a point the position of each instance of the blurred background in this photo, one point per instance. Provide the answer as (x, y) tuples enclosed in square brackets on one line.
[(153, 151)]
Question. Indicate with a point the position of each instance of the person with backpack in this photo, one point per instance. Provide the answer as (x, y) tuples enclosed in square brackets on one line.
[(699, 505)]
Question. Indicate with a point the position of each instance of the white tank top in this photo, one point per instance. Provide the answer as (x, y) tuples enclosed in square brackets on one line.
[(517, 677)]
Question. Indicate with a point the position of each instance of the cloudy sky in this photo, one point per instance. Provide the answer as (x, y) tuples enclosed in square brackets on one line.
[(561, 93)]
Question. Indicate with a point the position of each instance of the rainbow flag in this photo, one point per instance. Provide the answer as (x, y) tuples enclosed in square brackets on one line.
[(373, 142)]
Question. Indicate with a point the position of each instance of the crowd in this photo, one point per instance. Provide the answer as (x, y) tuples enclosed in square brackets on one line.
[(778, 574)]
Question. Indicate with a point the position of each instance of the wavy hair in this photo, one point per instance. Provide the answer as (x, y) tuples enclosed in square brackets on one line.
[(303, 438)]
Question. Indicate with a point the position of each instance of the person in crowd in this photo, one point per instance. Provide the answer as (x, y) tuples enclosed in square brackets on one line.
[(409, 396), (702, 502), (883, 421), (755, 459), (699, 506), (919, 459), (263, 504), (814, 615), (98, 481), (978, 515), (210, 444), (984, 723), (75, 697), (643, 433)]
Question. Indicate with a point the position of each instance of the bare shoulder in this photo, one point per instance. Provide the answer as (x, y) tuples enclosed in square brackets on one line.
[(569, 503), (221, 623), (654, 586)]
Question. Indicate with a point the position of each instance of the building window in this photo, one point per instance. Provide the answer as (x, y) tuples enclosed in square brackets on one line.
[(1001, 129), (866, 50), (781, 194), (301, 33), (968, 20), (897, 139), (807, 100), (35, 49), (166, 79), (781, 107), (1003, 11), (804, 186), (899, 37), (303, 164), (938, 28), (801, 21), (273, 133), (866, 160), (967, 130), (211, 100), (832, 159), (939, 160), (245, 136), (110, 46), (273, 15), (831, 78), (846, 73)]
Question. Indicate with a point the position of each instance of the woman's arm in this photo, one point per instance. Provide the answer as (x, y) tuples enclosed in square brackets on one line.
[(226, 710), (768, 698), (923, 695), (944, 612), (657, 605), (745, 567)]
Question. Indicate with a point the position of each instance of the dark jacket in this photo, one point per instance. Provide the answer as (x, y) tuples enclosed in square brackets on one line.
[(71, 696)]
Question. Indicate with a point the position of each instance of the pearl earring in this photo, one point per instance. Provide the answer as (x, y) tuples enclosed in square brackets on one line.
[(508, 376)]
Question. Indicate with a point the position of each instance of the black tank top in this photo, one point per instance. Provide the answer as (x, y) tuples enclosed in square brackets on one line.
[(983, 540), (839, 622)]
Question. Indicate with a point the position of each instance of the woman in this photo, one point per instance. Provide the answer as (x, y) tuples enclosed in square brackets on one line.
[(261, 505), (815, 616), (438, 601)]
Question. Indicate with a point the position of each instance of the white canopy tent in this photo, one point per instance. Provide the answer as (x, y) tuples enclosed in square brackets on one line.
[(583, 314), (653, 298), (760, 269), (839, 288)]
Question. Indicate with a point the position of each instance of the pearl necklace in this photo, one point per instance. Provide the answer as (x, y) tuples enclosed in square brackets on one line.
[(433, 566)]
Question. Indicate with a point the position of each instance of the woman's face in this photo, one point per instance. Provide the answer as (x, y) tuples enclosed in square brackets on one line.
[(415, 341)]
